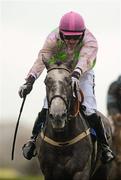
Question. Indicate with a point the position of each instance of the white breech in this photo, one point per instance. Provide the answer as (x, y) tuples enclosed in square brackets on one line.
[(87, 83)]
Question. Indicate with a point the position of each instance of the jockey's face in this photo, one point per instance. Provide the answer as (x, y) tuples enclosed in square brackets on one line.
[(71, 41)]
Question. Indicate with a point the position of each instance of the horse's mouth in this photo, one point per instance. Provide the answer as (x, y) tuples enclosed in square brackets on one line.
[(58, 125)]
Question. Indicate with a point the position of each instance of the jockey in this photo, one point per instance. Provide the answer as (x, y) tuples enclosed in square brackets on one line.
[(71, 41), (114, 99)]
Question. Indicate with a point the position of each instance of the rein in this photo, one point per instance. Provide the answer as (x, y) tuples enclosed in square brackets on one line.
[(77, 112), (60, 68), (66, 103), (75, 139)]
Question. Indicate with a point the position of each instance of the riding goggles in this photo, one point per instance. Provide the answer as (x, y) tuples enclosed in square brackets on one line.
[(74, 37)]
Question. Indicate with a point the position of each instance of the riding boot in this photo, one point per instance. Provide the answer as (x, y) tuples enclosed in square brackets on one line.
[(30, 147), (95, 122)]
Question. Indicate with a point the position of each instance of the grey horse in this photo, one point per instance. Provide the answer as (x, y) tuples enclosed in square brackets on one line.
[(66, 148)]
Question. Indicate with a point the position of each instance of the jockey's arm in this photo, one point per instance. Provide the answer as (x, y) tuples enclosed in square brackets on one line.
[(46, 52), (88, 53)]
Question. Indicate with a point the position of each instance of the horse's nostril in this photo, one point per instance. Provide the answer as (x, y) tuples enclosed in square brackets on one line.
[(64, 115), (51, 116)]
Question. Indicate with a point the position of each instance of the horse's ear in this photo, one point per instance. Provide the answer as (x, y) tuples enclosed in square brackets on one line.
[(45, 61)]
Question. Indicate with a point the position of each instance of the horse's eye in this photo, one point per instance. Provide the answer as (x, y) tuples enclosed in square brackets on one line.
[(68, 79), (64, 115), (45, 81), (48, 81), (51, 116)]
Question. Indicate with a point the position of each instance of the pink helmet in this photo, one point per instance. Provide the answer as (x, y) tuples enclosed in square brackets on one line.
[(72, 24)]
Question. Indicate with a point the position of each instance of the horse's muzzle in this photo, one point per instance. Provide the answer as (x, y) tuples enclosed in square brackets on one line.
[(58, 121)]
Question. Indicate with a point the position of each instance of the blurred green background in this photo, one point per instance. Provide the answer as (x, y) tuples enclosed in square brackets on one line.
[(19, 168)]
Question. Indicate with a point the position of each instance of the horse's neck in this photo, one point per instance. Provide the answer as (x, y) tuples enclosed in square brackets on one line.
[(74, 127)]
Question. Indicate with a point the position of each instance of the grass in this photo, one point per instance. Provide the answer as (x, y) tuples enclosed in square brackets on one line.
[(11, 174), (24, 178)]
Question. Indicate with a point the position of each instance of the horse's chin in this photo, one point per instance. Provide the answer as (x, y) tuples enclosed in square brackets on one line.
[(58, 126)]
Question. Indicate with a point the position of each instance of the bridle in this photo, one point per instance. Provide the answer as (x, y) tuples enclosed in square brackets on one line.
[(63, 68), (57, 96), (77, 138), (66, 102)]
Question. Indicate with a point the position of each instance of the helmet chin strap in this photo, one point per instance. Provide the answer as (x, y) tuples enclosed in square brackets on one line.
[(61, 35), (81, 39)]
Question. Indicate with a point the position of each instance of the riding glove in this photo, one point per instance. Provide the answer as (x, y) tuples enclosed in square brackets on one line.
[(75, 79), (27, 87)]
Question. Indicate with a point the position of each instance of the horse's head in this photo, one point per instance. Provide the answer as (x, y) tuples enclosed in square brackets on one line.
[(58, 89), (59, 93)]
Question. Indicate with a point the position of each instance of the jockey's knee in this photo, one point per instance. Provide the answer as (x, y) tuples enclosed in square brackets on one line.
[(89, 111)]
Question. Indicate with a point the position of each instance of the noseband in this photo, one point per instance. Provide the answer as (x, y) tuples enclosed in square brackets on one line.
[(58, 96)]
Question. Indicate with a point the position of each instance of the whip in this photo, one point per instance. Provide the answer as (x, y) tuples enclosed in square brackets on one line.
[(16, 129)]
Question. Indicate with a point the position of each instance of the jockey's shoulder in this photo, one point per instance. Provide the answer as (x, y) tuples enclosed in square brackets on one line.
[(54, 35)]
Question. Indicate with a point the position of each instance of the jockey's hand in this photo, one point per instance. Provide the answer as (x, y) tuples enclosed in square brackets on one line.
[(27, 87), (75, 80)]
